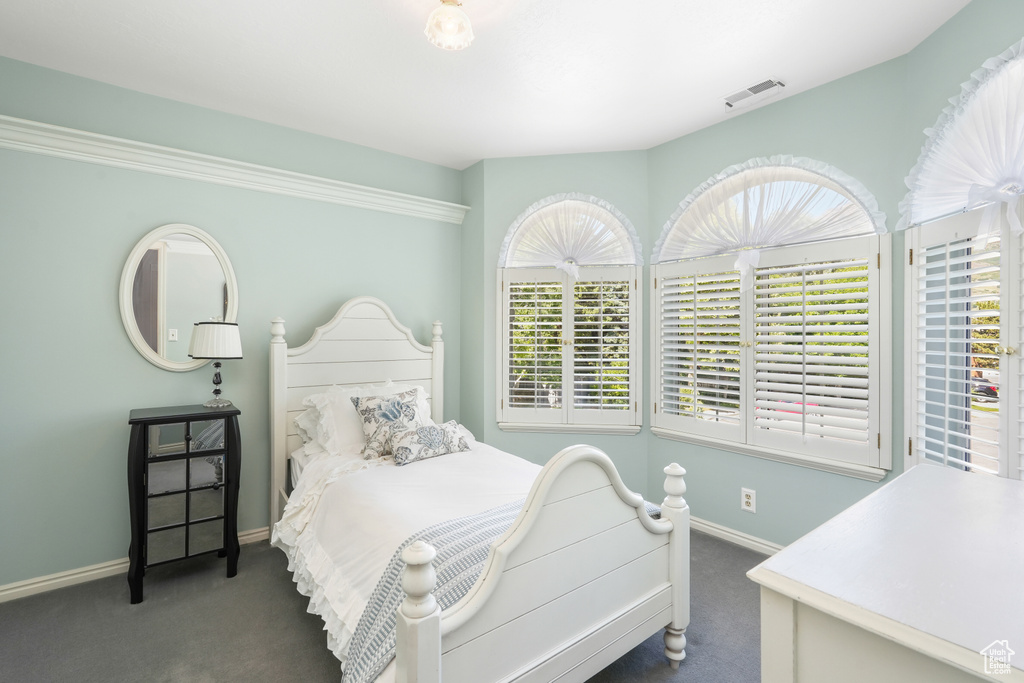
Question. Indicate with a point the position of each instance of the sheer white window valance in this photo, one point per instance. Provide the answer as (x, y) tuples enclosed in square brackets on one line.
[(974, 155), (768, 202), (567, 231)]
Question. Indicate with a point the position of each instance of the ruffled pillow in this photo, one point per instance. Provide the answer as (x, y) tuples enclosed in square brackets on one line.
[(384, 416), (427, 441), (332, 422)]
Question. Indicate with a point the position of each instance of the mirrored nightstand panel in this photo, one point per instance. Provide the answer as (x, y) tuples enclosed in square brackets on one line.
[(167, 439), (165, 545), (167, 476), (207, 435), (166, 510), (206, 503), (206, 471), (205, 536)]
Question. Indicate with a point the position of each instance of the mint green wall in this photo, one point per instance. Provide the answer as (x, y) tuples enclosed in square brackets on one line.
[(499, 190), (473, 300), (69, 375), (851, 124), (869, 125)]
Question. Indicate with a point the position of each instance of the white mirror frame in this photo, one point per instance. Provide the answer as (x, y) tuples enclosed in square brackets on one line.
[(128, 279)]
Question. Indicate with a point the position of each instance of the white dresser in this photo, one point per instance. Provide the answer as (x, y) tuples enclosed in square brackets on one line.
[(910, 584)]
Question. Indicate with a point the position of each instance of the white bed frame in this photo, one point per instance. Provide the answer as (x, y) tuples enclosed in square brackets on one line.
[(582, 576)]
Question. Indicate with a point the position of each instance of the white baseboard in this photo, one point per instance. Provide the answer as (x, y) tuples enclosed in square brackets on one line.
[(42, 584), (737, 537), (21, 589)]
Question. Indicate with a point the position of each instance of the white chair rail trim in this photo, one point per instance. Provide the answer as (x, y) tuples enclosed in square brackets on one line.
[(78, 145)]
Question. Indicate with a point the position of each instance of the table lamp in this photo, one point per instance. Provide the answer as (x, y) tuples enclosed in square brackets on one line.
[(215, 341)]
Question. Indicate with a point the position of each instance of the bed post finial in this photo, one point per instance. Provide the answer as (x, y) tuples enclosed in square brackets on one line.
[(436, 331), (675, 510), (418, 631), (277, 331)]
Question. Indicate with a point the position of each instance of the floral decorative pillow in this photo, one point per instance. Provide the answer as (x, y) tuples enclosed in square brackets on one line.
[(383, 416), (427, 441)]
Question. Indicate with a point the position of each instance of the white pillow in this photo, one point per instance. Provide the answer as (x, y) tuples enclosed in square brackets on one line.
[(303, 456), (331, 419)]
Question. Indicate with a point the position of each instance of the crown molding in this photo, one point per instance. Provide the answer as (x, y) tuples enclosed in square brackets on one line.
[(77, 145)]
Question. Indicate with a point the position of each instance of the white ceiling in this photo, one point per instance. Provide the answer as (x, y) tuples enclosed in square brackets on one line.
[(542, 76)]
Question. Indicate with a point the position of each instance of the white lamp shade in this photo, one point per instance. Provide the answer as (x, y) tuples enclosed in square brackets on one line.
[(215, 341), (448, 27)]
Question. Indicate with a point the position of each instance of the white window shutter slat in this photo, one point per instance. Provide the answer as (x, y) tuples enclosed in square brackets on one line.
[(569, 347), (603, 349), (700, 326), (533, 346), (960, 313), (815, 352)]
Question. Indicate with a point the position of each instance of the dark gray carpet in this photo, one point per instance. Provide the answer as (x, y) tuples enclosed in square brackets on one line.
[(196, 625)]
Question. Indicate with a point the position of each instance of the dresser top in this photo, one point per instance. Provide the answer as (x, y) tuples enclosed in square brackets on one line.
[(936, 549), (180, 414)]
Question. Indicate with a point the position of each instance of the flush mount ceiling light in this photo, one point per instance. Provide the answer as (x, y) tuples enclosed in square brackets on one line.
[(448, 27)]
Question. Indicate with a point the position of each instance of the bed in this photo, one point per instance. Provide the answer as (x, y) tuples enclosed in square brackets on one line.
[(579, 572)]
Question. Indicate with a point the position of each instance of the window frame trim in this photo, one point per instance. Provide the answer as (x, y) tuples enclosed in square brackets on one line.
[(1011, 283), (876, 469), (632, 426)]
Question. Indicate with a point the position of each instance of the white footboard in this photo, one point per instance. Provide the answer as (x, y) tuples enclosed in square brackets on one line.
[(582, 576)]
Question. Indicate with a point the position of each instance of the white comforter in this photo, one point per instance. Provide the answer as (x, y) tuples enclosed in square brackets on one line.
[(341, 527)]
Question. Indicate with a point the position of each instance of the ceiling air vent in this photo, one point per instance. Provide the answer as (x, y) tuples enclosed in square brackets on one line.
[(755, 93)]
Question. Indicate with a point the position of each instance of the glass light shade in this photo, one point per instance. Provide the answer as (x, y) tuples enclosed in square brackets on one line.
[(217, 341), (448, 27)]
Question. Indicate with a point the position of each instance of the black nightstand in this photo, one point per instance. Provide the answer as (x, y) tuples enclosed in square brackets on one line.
[(183, 465)]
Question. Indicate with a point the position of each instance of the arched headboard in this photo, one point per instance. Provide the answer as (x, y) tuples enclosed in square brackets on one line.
[(362, 344)]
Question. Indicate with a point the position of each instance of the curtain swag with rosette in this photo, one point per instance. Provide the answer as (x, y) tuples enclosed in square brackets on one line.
[(973, 156), (767, 202), (567, 231)]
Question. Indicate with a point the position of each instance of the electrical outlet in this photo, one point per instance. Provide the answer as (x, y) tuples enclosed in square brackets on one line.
[(748, 500), (172, 335)]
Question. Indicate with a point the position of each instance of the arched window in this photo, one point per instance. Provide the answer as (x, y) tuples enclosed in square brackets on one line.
[(569, 272), (771, 317), (965, 260)]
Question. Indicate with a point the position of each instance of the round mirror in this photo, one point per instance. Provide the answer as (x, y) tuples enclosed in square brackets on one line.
[(176, 276)]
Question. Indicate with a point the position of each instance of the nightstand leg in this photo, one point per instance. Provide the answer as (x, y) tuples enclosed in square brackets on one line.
[(232, 465), (136, 505), (135, 574)]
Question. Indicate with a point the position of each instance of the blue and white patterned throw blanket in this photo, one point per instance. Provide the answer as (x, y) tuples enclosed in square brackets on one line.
[(462, 546)]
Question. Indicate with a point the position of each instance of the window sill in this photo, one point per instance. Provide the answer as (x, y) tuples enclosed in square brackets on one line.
[(555, 428), (849, 469)]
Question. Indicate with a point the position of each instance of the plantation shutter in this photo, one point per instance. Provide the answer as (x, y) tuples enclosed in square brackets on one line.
[(962, 385), (533, 368), (603, 334), (699, 344), (1016, 464), (815, 351), (790, 366), (569, 346)]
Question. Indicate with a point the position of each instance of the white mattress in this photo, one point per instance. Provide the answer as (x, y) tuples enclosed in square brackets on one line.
[(342, 524)]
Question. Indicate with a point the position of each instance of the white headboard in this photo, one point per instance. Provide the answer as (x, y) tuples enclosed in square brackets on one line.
[(362, 344)]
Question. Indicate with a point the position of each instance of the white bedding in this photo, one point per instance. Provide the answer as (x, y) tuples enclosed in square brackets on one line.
[(342, 524)]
